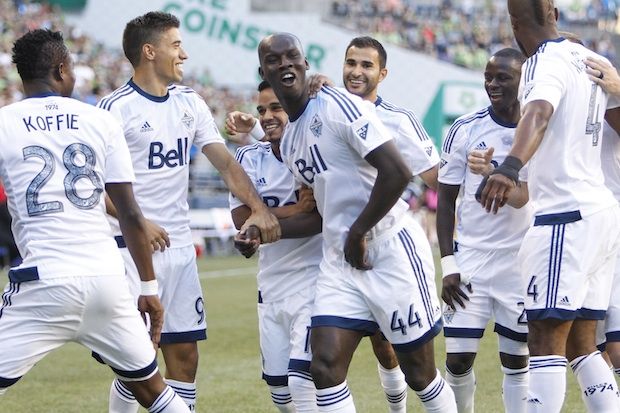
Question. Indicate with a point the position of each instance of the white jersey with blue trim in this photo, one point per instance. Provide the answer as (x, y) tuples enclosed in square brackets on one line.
[(287, 266), (610, 159), (476, 228), (325, 149), (414, 144), (57, 155), (565, 172), (160, 131)]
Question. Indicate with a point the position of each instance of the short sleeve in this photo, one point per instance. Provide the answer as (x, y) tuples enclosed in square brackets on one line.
[(415, 146), (206, 129), (247, 162), (453, 163), (544, 78), (118, 166)]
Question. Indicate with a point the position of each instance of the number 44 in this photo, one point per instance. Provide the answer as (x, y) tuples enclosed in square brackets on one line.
[(412, 320)]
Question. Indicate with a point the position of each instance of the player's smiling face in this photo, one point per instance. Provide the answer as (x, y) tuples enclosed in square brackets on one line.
[(501, 82), (362, 72), (169, 56), (272, 116), (283, 65)]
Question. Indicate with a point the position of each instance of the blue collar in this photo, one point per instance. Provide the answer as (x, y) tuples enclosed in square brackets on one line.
[(544, 42), (500, 122), (148, 95)]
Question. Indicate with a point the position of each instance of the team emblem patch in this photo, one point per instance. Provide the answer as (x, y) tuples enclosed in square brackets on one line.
[(448, 314), (507, 140), (362, 132), (187, 120), (316, 127)]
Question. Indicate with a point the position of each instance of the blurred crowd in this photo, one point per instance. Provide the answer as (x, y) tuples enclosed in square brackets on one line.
[(465, 32)]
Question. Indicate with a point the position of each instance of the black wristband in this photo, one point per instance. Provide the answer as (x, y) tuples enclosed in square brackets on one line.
[(509, 168)]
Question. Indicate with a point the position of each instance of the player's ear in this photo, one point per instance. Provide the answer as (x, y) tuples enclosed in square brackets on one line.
[(261, 73), (59, 72), (382, 74), (148, 51), (307, 64)]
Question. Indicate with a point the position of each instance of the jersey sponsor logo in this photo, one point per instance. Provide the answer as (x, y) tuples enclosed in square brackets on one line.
[(187, 120), (308, 170), (316, 126), (172, 158), (146, 127), (362, 132)]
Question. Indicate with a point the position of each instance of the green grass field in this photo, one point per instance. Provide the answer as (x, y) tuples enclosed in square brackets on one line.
[(69, 381)]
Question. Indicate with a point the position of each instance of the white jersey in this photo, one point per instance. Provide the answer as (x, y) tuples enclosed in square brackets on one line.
[(565, 172), (414, 144), (57, 155), (475, 227), (610, 159), (289, 265), (325, 148), (160, 131)]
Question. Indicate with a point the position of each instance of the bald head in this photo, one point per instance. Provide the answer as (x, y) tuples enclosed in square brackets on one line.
[(535, 12), (275, 40)]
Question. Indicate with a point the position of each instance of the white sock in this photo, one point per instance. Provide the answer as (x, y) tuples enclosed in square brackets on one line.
[(599, 390), (121, 400), (547, 387), (514, 389), (336, 399), (395, 387), (186, 391), (302, 390), (281, 397), (438, 397), (168, 402), (464, 387)]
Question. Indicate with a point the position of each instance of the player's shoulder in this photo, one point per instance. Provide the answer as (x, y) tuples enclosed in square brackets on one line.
[(182, 91), (252, 152), (388, 109), (120, 97), (461, 126), (338, 101)]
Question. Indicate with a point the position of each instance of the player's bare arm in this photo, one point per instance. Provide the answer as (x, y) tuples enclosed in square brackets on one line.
[(451, 291), (392, 178), (528, 137), (430, 177), (133, 227), (239, 184)]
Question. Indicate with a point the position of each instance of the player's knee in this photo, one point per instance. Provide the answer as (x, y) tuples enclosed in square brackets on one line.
[(326, 370), (385, 354), (460, 363), (181, 361)]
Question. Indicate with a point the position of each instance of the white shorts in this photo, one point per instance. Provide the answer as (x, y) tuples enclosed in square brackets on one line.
[(497, 293), (568, 266), (96, 311), (284, 328), (179, 291), (397, 295), (609, 329)]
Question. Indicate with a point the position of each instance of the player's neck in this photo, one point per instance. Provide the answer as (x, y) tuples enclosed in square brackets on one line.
[(294, 107), (538, 37), (510, 114), (149, 83), (38, 88)]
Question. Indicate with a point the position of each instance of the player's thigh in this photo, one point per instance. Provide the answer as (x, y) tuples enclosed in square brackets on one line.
[(181, 295), (124, 343), (400, 289), (274, 340), (36, 317), (299, 309)]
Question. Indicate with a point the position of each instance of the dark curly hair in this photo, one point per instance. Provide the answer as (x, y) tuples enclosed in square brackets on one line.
[(37, 52)]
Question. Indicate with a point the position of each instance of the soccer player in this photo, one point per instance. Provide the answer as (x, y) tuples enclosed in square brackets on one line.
[(568, 254), (377, 269), (287, 268), (58, 155), (161, 122), (481, 276), (364, 68)]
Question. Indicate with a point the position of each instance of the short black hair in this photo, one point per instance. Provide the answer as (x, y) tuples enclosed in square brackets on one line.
[(145, 29), (511, 53), (264, 85), (37, 52), (367, 41)]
